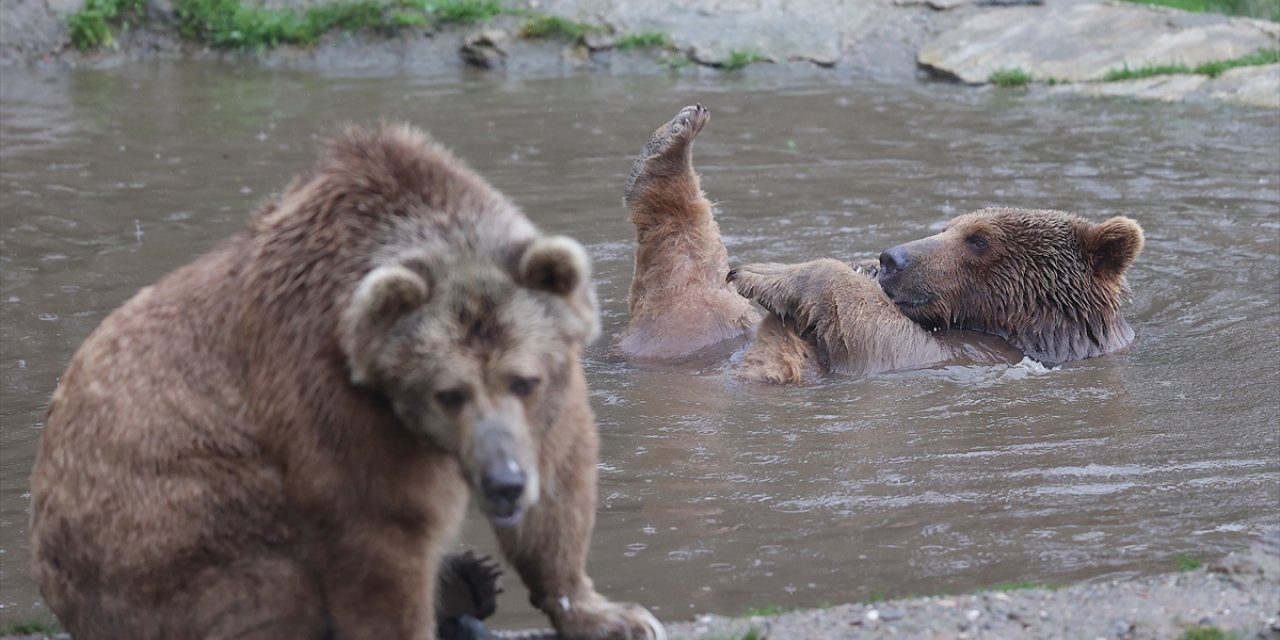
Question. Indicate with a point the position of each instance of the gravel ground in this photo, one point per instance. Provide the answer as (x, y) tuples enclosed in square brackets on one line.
[(1238, 596)]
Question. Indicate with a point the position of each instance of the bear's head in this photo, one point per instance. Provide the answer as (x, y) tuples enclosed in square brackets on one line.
[(474, 358), (1049, 282)]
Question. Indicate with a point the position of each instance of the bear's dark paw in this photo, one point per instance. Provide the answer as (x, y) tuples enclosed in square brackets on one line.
[(468, 586), (463, 628)]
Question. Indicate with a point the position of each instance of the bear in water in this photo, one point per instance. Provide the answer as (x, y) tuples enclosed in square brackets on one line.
[(1048, 283)]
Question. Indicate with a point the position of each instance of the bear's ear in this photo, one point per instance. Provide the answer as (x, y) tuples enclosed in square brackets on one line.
[(559, 265), (1113, 245), (383, 296), (556, 264)]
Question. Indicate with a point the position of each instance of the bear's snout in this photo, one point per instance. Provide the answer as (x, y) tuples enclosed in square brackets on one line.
[(894, 260), (503, 485)]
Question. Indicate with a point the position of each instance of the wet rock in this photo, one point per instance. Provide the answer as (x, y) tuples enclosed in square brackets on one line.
[(1077, 41), (1250, 86), (486, 48), (599, 40), (1246, 86), (1123, 628), (889, 614), (715, 30), (938, 5)]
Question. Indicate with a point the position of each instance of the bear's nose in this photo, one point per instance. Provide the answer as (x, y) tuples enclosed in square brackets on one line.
[(893, 260), (503, 484)]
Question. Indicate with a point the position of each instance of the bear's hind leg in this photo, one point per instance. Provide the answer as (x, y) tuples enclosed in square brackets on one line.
[(668, 156), (259, 599)]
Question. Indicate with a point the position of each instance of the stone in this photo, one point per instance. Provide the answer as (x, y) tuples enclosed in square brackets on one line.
[(486, 48), (1256, 86), (1078, 41)]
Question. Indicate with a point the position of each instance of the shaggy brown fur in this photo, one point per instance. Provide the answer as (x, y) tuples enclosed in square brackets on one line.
[(680, 303), (1048, 282), (279, 439)]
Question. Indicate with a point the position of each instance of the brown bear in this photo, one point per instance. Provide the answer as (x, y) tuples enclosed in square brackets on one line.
[(1048, 283), (279, 439)]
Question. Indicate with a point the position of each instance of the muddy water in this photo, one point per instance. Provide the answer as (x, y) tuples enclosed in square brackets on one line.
[(717, 496)]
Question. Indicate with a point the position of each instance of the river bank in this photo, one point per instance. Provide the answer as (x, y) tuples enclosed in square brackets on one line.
[(1084, 47), (1235, 597)]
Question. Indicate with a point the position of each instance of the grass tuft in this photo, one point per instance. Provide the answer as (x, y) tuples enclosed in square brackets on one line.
[(643, 40), (91, 26), (739, 59), (766, 610), (233, 24), (461, 11), (1126, 73), (1211, 69), (1187, 563), (1009, 78), (1208, 633), (30, 627), (1264, 9), (1264, 56), (549, 26)]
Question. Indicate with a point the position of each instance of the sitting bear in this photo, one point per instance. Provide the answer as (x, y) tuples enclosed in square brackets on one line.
[(279, 439), (1048, 283)]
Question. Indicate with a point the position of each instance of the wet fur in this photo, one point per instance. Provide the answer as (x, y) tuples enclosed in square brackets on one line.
[(222, 458), (1051, 285), (679, 302)]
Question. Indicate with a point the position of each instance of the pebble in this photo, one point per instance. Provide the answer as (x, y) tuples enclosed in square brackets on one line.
[(889, 615), (1123, 627)]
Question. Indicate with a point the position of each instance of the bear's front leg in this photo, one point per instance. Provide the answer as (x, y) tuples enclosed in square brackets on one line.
[(549, 546)]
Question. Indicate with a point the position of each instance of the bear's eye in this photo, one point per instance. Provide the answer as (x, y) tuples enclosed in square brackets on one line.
[(451, 399), (977, 243), (522, 386)]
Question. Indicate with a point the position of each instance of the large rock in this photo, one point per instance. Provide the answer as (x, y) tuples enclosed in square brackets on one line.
[(712, 30), (1247, 86), (1077, 41)]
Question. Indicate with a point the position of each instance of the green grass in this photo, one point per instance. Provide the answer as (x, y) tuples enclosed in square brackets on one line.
[(643, 40), (549, 26), (1265, 9), (1009, 78), (766, 610), (91, 26), (233, 24), (1187, 563), (30, 628), (1211, 69), (1208, 633), (461, 11), (739, 59), (1214, 69), (1126, 73)]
